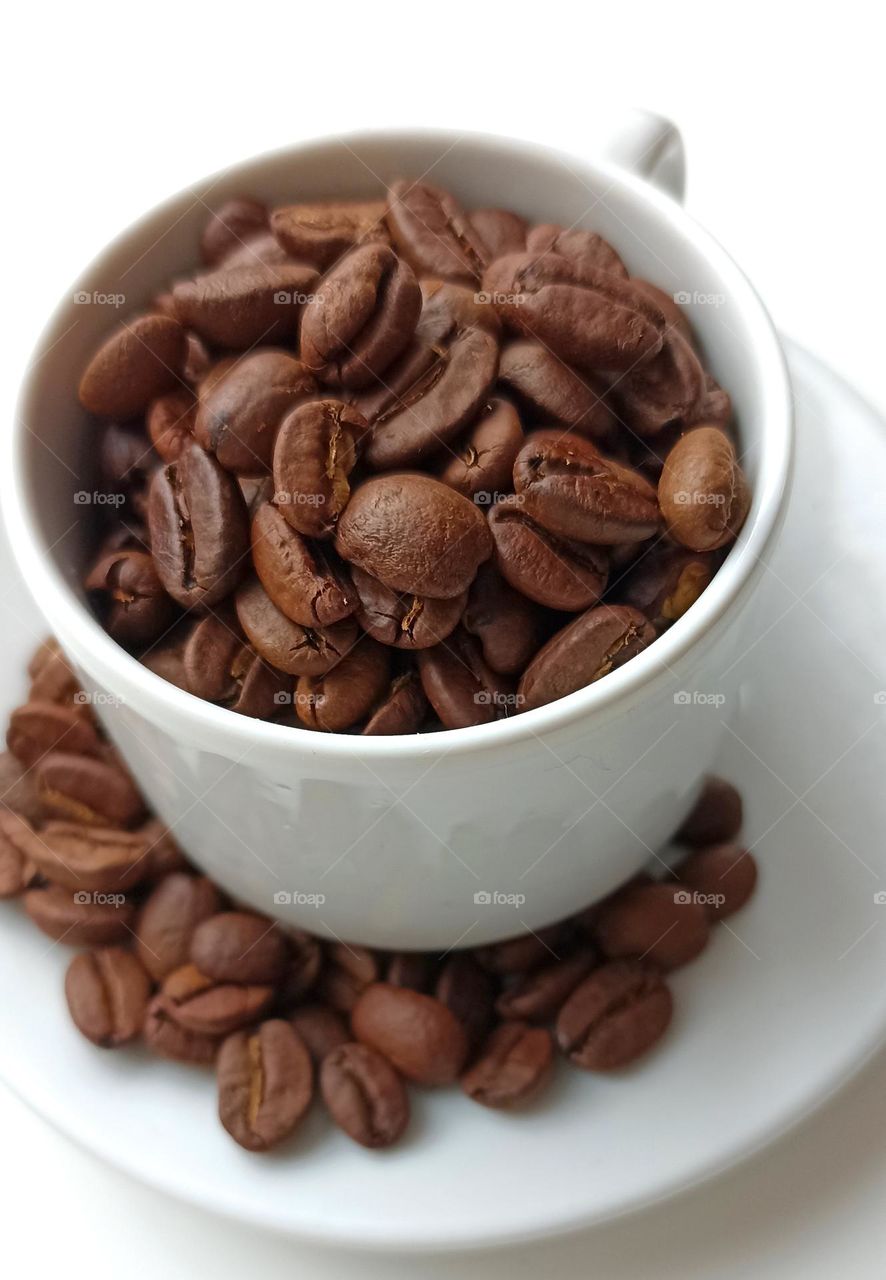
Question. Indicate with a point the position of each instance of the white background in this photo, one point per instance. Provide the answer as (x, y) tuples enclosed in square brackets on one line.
[(110, 108)]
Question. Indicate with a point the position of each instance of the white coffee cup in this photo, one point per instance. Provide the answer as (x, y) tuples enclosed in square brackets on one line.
[(460, 837)]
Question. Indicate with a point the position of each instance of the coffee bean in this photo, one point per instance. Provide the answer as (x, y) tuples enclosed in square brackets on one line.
[(538, 995), (656, 922), (200, 1004), (165, 658), (236, 946), (508, 626), (140, 360), (432, 232), (715, 406), (37, 728), (725, 875), (261, 248), (555, 391), (616, 1015), (587, 649), (305, 579), (107, 993), (416, 1033), (364, 1095), (401, 709), (320, 233), (375, 534), (199, 529), (524, 953), (18, 790), (128, 594), (79, 919), (83, 789), (573, 491), (240, 410), (673, 313), (161, 851), (484, 459), (459, 685), (304, 963), (339, 698), (585, 249), (89, 858), (559, 573), (52, 677), (265, 1084), (285, 644), (168, 918), (469, 992), (411, 969), (243, 306), (666, 582), (349, 971), (666, 389), (702, 492), (716, 816), (404, 621), (237, 220), (513, 1066), (321, 1029), (362, 318), (165, 1037), (222, 667), (17, 871), (314, 454), (170, 422), (500, 230)]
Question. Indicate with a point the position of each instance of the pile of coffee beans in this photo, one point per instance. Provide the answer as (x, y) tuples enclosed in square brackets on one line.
[(385, 466), (283, 1017)]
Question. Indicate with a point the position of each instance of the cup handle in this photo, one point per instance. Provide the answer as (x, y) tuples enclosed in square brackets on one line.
[(651, 147)]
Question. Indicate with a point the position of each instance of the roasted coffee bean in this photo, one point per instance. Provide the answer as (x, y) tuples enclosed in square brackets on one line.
[(199, 529), (242, 407), (589, 647), (433, 409), (161, 851), (657, 922), (265, 1084), (410, 369), (210, 1008), (715, 406), (321, 1029), (165, 1037), (52, 677), (666, 582), (40, 727), (588, 317), (92, 859), (432, 232), (552, 571), (80, 919), (484, 459), (418, 1034), (404, 621), (165, 658), (170, 422), (236, 946), (107, 993), (573, 491), (140, 360), (297, 650), (314, 455), (500, 230), (508, 626), (17, 871), (235, 222), (413, 969), (664, 390), (469, 992), (168, 918), (555, 391), (83, 789), (362, 318), (721, 876), (338, 699), (262, 248), (304, 962), (364, 1095), (129, 595), (376, 533), (18, 790), (240, 307), (513, 1067), (616, 1015), (349, 971), (401, 709), (702, 492), (320, 233), (305, 579), (526, 952), (585, 249), (447, 308), (125, 460), (673, 313), (716, 816), (460, 686), (537, 995), (221, 667)]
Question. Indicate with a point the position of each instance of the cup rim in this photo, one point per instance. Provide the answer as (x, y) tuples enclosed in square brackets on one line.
[(186, 713)]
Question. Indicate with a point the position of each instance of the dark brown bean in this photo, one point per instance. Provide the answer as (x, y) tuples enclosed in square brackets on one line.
[(513, 1067), (17, 871), (161, 851), (666, 389), (673, 313), (722, 878), (80, 919), (657, 922), (168, 918), (107, 993), (402, 708), (165, 1037), (448, 307), (460, 686), (666, 582), (221, 667), (243, 306), (320, 233), (40, 727), (52, 677), (556, 391), (716, 816), (338, 699), (127, 592), (265, 1084), (348, 972), (86, 790), (228, 227), (314, 455), (432, 232), (303, 966), (413, 969), (404, 621), (210, 1008), (285, 644), (484, 459), (585, 249), (538, 995), (236, 946), (559, 573), (703, 494), (526, 952), (321, 1029), (617, 1014), (468, 991), (508, 626), (140, 360), (170, 422), (419, 1035), (364, 1095), (500, 230), (88, 858), (305, 579), (587, 649)]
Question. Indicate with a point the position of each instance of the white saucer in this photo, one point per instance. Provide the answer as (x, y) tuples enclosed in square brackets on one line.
[(787, 1002)]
